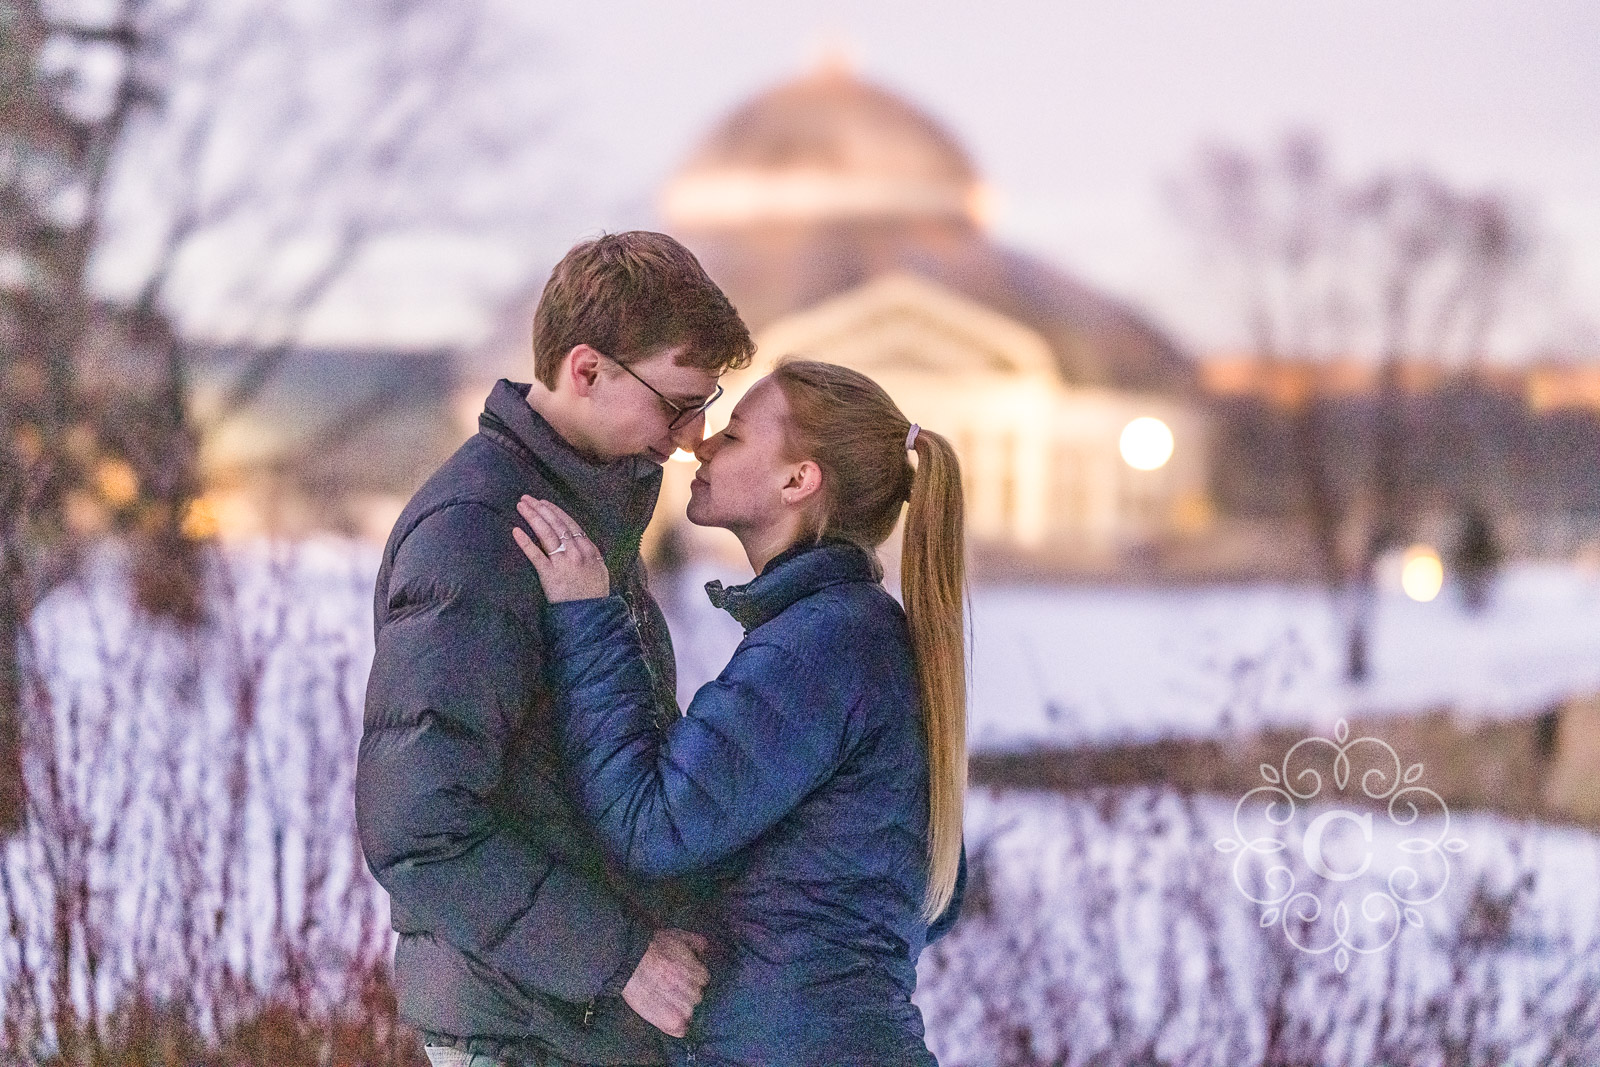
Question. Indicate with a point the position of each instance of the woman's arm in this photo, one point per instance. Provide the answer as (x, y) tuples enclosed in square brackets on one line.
[(752, 744), (750, 747)]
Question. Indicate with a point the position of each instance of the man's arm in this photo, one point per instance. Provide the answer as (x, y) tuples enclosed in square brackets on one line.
[(455, 664)]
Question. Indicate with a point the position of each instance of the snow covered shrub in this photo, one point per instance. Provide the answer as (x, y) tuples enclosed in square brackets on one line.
[(1103, 931), (188, 888)]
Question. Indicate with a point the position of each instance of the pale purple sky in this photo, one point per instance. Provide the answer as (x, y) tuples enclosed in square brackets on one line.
[(1077, 112)]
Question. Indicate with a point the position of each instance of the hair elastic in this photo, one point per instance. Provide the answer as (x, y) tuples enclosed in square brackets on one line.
[(911, 438)]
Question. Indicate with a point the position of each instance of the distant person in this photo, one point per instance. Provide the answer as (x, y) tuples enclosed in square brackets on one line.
[(1476, 557), (820, 777), (517, 942)]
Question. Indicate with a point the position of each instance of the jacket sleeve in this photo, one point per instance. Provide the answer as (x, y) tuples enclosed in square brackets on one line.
[(747, 750), (458, 659)]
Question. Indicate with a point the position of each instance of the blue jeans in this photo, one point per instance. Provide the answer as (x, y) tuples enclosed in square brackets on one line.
[(442, 1055), (439, 1056)]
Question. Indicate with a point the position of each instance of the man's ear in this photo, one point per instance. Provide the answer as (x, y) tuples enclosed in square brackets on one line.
[(582, 369), (805, 482)]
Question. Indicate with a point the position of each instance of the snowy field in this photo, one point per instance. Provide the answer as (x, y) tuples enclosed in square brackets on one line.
[(1063, 665), (1109, 929), (1099, 923)]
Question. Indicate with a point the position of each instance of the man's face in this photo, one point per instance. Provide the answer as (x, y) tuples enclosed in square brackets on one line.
[(630, 420)]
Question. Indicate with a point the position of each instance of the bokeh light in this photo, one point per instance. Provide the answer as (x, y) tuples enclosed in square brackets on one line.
[(1422, 573), (1146, 443)]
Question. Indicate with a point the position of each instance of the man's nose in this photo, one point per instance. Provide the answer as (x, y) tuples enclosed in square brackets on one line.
[(691, 434)]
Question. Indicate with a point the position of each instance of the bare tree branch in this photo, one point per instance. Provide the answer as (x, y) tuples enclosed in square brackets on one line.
[(1399, 270)]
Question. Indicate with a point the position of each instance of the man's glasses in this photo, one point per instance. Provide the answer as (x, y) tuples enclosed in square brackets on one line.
[(681, 416)]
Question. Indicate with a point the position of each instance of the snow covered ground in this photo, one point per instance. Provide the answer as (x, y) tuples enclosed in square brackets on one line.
[(198, 789), (1061, 665), (1108, 929), (1107, 920)]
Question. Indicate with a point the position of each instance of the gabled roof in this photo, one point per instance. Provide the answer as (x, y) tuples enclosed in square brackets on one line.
[(773, 271), (908, 323)]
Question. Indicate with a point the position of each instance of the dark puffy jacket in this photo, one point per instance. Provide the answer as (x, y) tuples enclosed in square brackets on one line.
[(513, 931), (799, 777)]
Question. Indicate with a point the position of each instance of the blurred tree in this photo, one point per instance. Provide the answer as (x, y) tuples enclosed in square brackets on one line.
[(181, 179), (1397, 269), (41, 261)]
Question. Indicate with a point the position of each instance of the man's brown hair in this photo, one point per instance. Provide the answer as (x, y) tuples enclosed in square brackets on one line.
[(631, 295)]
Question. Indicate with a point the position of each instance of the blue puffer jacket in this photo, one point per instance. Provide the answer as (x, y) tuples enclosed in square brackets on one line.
[(515, 935), (799, 779)]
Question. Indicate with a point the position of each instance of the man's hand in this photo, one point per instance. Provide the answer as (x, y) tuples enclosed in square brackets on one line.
[(666, 985)]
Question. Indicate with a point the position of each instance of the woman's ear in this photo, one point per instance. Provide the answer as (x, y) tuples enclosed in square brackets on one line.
[(805, 482), (583, 368)]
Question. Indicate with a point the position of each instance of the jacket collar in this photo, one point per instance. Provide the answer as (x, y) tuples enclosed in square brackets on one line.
[(792, 575), (613, 502)]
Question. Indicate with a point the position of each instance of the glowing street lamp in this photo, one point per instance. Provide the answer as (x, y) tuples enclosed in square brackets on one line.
[(1146, 444), (1422, 573)]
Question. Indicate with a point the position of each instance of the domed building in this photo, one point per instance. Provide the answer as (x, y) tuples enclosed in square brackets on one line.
[(828, 182), (846, 225)]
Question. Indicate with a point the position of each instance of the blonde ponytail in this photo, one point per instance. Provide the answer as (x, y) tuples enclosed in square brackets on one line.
[(855, 432), (932, 583)]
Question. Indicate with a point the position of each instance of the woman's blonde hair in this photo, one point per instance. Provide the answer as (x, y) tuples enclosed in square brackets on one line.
[(849, 426)]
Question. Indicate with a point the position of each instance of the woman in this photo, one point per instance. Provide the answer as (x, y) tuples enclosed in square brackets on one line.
[(819, 779)]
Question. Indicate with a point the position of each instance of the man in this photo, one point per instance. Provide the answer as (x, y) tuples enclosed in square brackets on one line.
[(517, 943)]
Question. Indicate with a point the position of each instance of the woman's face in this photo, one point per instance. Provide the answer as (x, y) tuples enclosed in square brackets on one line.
[(746, 480)]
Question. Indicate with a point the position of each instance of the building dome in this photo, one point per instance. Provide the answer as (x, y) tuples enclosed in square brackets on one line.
[(827, 146), (819, 186)]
